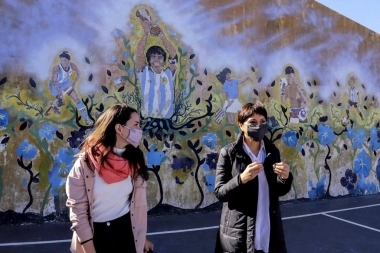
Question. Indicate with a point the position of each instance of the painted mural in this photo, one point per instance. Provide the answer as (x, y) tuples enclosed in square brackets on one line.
[(187, 66)]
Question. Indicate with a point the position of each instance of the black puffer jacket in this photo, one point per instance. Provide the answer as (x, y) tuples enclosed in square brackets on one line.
[(237, 225)]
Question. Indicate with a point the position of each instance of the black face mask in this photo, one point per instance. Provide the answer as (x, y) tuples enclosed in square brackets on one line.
[(257, 133)]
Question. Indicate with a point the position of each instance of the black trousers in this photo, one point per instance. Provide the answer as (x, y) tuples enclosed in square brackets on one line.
[(114, 236)]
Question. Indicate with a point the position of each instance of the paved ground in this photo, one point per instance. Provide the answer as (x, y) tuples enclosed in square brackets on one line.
[(337, 225)]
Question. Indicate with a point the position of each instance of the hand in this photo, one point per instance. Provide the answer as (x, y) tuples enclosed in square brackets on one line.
[(148, 246), (251, 172), (146, 24), (281, 169), (89, 247), (60, 94)]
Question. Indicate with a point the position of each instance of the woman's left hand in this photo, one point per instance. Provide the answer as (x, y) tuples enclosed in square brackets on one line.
[(281, 169), (148, 246)]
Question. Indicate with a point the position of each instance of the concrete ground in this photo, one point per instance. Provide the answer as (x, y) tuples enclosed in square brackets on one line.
[(339, 225)]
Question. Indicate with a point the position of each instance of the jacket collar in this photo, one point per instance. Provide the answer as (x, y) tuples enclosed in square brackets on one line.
[(238, 149)]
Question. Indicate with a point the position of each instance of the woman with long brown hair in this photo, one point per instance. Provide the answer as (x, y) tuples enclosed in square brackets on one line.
[(106, 187)]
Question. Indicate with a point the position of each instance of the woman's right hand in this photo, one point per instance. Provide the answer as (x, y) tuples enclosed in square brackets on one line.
[(89, 247), (251, 171)]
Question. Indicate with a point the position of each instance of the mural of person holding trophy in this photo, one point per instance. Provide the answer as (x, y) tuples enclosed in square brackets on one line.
[(61, 84), (157, 82)]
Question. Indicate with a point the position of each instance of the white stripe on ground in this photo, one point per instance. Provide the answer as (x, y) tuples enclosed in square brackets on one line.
[(214, 227), (354, 223), (333, 211), (182, 231)]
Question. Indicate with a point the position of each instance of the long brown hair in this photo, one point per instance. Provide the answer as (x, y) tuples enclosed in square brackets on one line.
[(104, 135)]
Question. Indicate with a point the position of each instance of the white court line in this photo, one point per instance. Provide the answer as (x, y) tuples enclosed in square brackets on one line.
[(182, 231), (354, 223), (333, 211), (206, 228), (32, 243)]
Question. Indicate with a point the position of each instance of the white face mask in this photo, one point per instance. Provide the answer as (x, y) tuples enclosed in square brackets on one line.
[(134, 137)]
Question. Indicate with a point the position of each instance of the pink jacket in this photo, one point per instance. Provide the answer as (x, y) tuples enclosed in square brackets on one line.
[(79, 188)]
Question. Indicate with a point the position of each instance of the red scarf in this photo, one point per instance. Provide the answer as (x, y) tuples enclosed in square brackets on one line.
[(114, 169)]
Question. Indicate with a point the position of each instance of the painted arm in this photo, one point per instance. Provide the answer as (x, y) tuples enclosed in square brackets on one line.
[(76, 69), (302, 93), (54, 77), (245, 79), (171, 50), (140, 57)]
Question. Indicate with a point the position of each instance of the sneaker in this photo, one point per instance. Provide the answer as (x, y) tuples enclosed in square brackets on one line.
[(89, 121), (55, 108), (345, 121), (60, 102)]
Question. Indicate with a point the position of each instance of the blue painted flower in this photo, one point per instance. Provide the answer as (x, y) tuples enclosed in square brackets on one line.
[(325, 135), (209, 140), (290, 138), (117, 80), (47, 132), (319, 190), (126, 55), (350, 132), (359, 139), (26, 150), (173, 35), (155, 157), (63, 162), (366, 188), (349, 180), (76, 139), (272, 122), (193, 66), (374, 142), (4, 117), (210, 182), (131, 72), (117, 33), (184, 82), (132, 26), (362, 164), (114, 59), (211, 161)]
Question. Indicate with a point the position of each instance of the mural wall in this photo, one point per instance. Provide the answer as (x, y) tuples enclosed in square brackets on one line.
[(188, 66)]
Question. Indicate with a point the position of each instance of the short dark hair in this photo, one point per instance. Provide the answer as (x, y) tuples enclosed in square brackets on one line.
[(250, 109), (65, 54), (155, 50), (289, 70)]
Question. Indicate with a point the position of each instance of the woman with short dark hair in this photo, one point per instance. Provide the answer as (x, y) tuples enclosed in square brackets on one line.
[(250, 177)]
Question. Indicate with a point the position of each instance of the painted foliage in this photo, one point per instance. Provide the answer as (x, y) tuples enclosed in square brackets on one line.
[(188, 68)]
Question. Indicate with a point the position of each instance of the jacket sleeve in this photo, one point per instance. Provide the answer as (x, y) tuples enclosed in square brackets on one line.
[(225, 184), (78, 202), (283, 187)]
